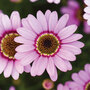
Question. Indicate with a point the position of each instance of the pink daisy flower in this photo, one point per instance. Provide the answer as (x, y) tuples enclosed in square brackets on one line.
[(8, 64), (76, 14), (63, 87), (81, 80), (49, 1), (48, 43), (87, 11)]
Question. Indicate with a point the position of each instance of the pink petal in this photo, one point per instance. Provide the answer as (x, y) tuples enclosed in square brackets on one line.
[(15, 20), (55, 76), (76, 78), (21, 55), (53, 20), (73, 84), (60, 87), (68, 31), (15, 74), (68, 65), (41, 65), (34, 68), (71, 48), (26, 33), (47, 15), (87, 9), (66, 55), (66, 88), (60, 64), (3, 63), (8, 69), (25, 48), (87, 68), (26, 24), (61, 23), (87, 2), (77, 44), (72, 38), (19, 67), (42, 19), (50, 67), (27, 68), (36, 26), (83, 76), (86, 16), (21, 39), (29, 58), (6, 22)]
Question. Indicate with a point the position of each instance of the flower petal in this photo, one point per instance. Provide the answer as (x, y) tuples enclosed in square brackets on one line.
[(61, 23), (68, 31), (8, 69), (53, 20), (6, 23), (3, 63), (77, 44), (42, 19), (76, 78), (29, 58), (26, 33), (21, 39), (41, 65), (36, 26), (72, 38), (19, 67), (15, 74), (15, 20), (71, 48), (50, 67), (24, 48), (27, 68), (47, 15), (60, 64), (66, 55)]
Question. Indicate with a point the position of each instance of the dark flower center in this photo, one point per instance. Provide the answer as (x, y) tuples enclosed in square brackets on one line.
[(47, 44), (87, 86), (80, 13), (8, 45)]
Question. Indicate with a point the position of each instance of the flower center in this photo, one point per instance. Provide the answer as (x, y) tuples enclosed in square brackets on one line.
[(8, 45), (80, 13), (87, 86), (47, 44)]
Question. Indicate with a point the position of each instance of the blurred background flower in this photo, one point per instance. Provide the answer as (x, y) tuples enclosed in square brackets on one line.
[(76, 13)]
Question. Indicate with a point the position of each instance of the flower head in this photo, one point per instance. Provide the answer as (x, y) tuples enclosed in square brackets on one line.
[(81, 80), (48, 84), (8, 63), (48, 43)]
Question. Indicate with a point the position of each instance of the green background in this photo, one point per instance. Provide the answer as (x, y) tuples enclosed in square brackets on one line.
[(26, 82)]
